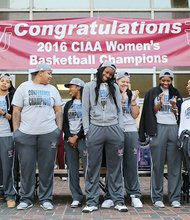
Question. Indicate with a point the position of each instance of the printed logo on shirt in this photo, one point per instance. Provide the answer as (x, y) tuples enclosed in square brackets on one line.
[(39, 98), (75, 112), (166, 106), (187, 113), (126, 107), (103, 93), (3, 106)]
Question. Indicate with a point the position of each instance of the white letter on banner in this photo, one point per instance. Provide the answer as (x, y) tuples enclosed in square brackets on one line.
[(33, 60), (19, 32)]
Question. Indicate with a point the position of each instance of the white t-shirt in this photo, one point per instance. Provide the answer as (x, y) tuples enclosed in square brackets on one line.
[(185, 116), (75, 116), (128, 120), (5, 130), (165, 115), (37, 102)]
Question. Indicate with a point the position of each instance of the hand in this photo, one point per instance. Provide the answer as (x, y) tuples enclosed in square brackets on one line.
[(73, 141), (123, 96), (173, 102), (1, 112), (8, 116), (161, 96), (135, 95)]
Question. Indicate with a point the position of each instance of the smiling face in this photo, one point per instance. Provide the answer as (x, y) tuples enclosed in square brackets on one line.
[(123, 83), (107, 74), (74, 91), (5, 83), (165, 82)]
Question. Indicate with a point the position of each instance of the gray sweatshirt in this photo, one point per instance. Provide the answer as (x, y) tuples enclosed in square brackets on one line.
[(100, 114)]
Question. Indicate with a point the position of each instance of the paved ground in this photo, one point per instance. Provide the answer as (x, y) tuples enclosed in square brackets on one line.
[(62, 200)]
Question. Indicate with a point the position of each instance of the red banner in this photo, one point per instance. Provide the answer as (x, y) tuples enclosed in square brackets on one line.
[(86, 42)]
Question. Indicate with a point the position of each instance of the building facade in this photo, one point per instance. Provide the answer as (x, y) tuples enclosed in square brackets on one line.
[(141, 79)]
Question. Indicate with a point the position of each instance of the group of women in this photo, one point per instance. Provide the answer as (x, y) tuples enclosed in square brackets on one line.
[(100, 118)]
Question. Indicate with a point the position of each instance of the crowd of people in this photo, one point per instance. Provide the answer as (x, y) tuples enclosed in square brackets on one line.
[(99, 123)]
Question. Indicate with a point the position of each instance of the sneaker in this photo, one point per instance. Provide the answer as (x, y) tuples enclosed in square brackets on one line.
[(159, 204), (24, 205), (107, 204), (88, 209), (64, 178), (176, 204), (75, 204), (46, 206), (121, 208), (11, 203), (136, 202)]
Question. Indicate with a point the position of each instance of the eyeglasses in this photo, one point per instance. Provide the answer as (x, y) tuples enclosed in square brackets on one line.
[(7, 75)]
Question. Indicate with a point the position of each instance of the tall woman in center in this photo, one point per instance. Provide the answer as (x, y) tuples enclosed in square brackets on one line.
[(102, 122)]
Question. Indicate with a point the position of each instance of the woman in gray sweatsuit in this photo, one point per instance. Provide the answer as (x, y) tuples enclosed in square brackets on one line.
[(102, 122)]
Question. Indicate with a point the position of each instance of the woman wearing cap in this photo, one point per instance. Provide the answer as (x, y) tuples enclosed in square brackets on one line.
[(102, 122), (6, 140), (37, 121), (158, 121), (74, 140), (130, 107)]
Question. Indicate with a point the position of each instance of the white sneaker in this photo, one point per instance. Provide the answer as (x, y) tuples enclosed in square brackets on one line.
[(47, 206), (75, 204), (121, 208), (176, 204), (136, 202), (88, 209), (107, 204), (159, 204), (23, 206)]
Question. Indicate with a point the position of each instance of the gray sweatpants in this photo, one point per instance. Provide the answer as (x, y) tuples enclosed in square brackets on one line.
[(6, 160), (164, 148), (130, 165), (40, 149), (112, 138), (72, 158)]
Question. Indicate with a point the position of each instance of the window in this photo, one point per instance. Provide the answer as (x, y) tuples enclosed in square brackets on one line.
[(13, 4), (141, 82), (121, 4), (172, 4), (180, 82), (14, 16), (84, 4)]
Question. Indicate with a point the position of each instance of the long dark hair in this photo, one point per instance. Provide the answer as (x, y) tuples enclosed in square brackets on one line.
[(110, 82), (81, 92), (129, 94), (12, 88)]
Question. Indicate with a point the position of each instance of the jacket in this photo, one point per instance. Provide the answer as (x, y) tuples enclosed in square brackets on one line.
[(8, 99), (148, 121), (184, 142), (93, 113)]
